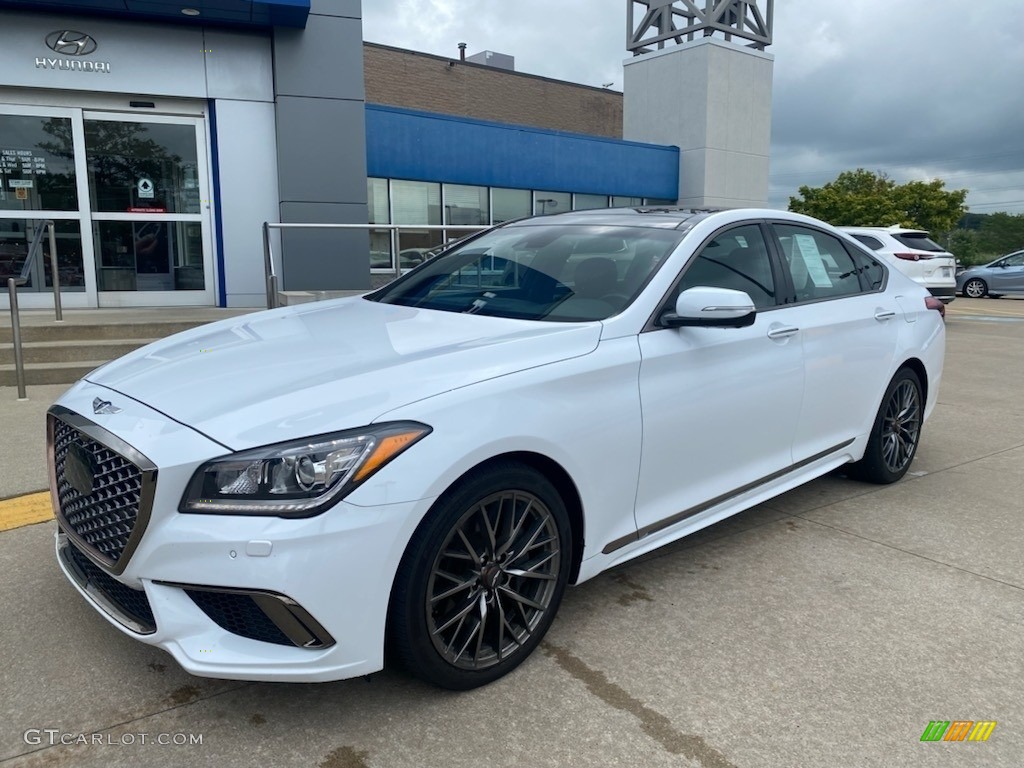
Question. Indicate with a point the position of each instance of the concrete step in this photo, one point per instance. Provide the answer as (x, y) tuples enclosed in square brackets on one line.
[(71, 351), (65, 332), (49, 373)]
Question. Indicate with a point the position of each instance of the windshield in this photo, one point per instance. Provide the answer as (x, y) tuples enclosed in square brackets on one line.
[(547, 272)]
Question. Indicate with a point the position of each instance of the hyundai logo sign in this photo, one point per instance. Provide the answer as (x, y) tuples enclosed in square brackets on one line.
[(67, 42)]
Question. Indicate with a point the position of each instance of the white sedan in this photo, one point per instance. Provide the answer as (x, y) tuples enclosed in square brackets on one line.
[(281, 496)]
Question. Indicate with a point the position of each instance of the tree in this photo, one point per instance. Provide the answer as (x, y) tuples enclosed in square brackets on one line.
[(1001, 233), (866, 199)]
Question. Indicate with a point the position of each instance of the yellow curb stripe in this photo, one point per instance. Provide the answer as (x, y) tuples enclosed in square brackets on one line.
[(25, 510)]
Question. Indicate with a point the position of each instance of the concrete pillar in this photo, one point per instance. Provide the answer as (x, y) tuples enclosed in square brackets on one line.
[(713, 100), (321, 147)]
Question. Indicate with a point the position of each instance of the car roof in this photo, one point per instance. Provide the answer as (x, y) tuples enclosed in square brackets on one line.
[(664, 217), (895, 229)]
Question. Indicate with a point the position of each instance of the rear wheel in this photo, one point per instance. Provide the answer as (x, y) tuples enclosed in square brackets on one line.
[(975, 288), (896, 432), (482, 578)]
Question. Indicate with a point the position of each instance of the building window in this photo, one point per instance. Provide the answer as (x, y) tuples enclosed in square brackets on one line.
[(37, 167), (626, 202), (466, 205), (412, 203), (585, 202), (379, 212), (510, 204), (551, 202)]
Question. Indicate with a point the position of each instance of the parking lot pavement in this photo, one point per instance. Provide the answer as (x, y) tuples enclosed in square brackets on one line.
[(827, 627)]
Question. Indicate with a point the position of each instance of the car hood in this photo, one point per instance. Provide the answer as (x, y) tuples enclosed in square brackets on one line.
[(316, 368)]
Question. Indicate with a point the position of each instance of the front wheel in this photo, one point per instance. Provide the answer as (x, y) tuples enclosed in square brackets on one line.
[(482, 578), (975, 288), (896, 432)]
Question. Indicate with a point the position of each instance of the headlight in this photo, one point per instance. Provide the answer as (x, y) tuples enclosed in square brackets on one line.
[(297, 479)]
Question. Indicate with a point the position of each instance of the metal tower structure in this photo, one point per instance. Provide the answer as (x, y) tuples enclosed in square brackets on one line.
[(679, 21)]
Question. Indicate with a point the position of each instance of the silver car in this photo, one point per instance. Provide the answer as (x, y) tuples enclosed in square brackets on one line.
[(1002, 276)]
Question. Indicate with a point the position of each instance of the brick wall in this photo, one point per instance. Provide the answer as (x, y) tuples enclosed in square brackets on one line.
[(413, 80)]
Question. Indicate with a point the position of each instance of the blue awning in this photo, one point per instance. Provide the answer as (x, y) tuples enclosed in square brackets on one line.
[(245, 13)]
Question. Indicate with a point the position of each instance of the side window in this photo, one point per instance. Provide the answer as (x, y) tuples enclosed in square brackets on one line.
[(818, 264), (871, 242), (736, 259), (1014, 261), (872, 272)]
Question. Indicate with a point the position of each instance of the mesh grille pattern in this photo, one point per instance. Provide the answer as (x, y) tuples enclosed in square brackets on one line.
[(132, 602), (238, 614), (105, 518)]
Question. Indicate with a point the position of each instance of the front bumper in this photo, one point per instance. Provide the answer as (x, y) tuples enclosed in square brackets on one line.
[(241, 597)]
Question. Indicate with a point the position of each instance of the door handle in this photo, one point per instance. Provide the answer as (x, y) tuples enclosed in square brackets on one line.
[(884, 314), (782, 333)]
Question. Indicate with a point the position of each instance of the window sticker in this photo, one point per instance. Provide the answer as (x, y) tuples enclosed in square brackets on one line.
[(811, 256)]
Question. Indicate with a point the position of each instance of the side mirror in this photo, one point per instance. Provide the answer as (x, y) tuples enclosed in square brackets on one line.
[(706, 307)]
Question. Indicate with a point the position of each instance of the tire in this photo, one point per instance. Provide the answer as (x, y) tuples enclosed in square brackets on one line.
[(895, 433), (481, 579), (975, 288)]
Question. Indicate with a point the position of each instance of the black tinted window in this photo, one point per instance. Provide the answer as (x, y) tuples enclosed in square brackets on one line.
[(871, 242)]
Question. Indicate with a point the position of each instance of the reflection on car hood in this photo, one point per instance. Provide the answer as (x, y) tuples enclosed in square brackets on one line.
[(298, 371)]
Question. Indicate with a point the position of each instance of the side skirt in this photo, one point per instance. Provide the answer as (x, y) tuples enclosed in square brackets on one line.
[(671, 520)]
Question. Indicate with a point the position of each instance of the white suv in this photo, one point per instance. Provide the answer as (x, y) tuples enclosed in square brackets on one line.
[(914, 254)]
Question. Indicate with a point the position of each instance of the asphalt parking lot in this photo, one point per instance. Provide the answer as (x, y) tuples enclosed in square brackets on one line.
[(827, 627)]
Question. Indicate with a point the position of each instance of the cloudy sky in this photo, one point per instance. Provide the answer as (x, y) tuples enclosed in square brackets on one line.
[(919, 89)]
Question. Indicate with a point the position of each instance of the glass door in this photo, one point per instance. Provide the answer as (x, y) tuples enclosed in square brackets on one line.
[(40, 179), (148, 197)]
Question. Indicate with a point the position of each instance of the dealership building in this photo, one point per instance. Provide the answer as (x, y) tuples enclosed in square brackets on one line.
[(159, 137)]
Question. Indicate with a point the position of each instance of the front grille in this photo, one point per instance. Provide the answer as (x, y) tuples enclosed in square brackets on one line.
[(130, 603), (101, 496), (238, 613)]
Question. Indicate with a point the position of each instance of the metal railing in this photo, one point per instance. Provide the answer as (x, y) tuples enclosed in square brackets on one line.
[(12, 289), (394, 229)]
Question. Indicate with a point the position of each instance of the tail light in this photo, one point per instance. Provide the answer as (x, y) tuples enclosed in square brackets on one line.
[(913, 256), (932, 303)]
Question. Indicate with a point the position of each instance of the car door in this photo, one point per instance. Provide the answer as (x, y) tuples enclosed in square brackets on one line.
[(718, 404), (1008, 275), (848, 329)]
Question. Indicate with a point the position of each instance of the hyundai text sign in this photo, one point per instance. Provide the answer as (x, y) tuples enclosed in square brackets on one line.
[(68, 42)]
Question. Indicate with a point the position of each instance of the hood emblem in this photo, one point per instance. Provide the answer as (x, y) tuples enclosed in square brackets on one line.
[(100, 405)]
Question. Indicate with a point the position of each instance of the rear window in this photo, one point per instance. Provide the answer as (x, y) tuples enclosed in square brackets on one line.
[(920, 241)]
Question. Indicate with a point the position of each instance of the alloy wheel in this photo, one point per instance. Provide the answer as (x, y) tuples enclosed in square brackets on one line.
[(901, 426), (974, 289), (493, 580)]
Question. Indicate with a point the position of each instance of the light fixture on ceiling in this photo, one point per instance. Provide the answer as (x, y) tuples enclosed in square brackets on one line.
[(190, 11)]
